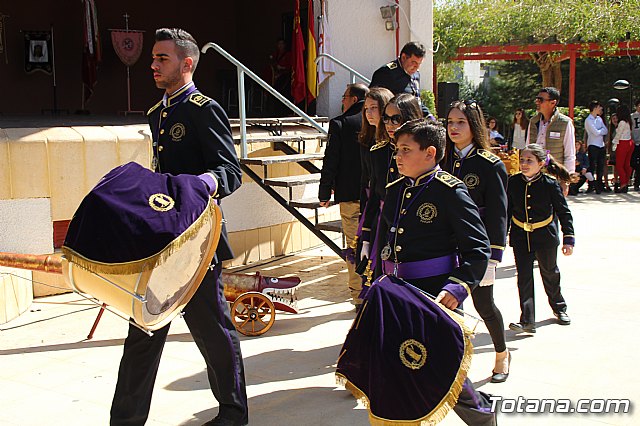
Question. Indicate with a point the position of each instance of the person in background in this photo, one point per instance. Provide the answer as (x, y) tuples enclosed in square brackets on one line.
[(582, 167), (613, 123), (536, 203), (595, 130), (623, 146), (635, 156), (401, 75), (553, 131), (467, 157), (370, 131), (341, 174), (520, 129), (495, 138), (281, 65), (399, 109)]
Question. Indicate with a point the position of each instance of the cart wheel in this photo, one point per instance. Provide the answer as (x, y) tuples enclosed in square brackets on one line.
[(253, 313)]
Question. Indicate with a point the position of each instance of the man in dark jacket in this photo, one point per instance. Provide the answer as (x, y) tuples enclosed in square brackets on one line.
[(191, 135), (401, 75), (341, 174)]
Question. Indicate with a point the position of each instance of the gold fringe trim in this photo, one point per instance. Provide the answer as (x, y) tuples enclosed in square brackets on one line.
[(442, 409), (148, 263)]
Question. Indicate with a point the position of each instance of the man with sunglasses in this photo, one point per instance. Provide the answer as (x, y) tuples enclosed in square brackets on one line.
[(553, 131), (402, 75)]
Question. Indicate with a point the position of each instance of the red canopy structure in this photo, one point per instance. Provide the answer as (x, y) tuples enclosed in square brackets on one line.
[(565, 51)]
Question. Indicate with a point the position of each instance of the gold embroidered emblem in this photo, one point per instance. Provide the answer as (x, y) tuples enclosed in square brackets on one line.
[(471, 180), (448, 179), (392, 65), (488, 155), (177, 132), (413, 354), (427, 212), (161, 202), (199, 99)]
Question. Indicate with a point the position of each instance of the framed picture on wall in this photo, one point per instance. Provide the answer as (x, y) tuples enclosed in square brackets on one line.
[(38, 51)]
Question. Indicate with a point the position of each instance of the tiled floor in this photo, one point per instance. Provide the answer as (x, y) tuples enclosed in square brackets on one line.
[(49, 373)]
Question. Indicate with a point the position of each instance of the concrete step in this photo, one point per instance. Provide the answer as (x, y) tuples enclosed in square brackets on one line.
[(284, 138), (307, 203), (277, 120), (277, 159), (291, 181), (334, 226)]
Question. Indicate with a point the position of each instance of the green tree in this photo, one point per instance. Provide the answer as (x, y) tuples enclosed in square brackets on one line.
[(470, 23)]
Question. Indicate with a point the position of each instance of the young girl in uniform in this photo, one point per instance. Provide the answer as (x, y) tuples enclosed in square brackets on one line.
[(467, 157), (536, 204), (400, 109)]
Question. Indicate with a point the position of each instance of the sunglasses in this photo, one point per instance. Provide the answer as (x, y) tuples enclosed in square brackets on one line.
[(394, 119)]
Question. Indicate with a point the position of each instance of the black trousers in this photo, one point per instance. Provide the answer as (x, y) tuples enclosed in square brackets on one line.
[(597, 160), (208, 319), (489, 312), (547, 263), (474, 407)]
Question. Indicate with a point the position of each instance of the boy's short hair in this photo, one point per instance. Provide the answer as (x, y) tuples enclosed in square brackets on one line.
[(593, 105), (426, 133)]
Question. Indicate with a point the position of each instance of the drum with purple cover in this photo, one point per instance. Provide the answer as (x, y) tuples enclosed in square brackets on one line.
[(142, 242)]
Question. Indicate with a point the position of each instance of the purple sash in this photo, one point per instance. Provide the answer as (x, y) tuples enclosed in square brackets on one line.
[(422, 268)]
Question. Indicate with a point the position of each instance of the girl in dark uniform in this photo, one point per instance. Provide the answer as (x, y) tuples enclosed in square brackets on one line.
[(536, 203), (467, 157), (399, 109)]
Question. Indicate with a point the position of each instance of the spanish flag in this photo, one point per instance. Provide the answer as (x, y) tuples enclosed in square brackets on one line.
[(312, 82)]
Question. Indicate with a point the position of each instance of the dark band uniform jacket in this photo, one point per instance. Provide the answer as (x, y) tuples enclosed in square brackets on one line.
[(383, 171), (185, 145), (485, 177), (393, 77), (538, 205), (341, 168), (437, 238)]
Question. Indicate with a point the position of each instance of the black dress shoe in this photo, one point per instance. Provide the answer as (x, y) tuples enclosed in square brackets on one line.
[(563, 318), (220, 421), (522, 327), (606, 189), (501, 377)]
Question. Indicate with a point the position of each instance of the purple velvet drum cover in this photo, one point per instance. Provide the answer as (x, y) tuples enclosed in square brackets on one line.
[(405, 357)]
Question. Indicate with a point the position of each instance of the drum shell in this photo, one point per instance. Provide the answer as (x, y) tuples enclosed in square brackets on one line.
[(115, 289)]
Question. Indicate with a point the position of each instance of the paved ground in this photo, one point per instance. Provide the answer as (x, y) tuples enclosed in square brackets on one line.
[(50, 375)]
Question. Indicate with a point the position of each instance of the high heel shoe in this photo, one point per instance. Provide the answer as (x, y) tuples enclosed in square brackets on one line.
[(502, 377)]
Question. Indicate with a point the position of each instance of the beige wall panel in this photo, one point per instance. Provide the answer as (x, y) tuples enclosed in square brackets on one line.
[(46, 284), (237, 242), (134, 143), (5, 167), (66, 171), (252, 246), (305, 237), (100, 153), (277, 243), (29, 163), (296, 234), (264, 235), (16, 293), (287, 237)]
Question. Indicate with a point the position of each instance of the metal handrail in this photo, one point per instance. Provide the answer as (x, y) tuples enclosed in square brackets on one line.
[(352, 73), (242, 70)]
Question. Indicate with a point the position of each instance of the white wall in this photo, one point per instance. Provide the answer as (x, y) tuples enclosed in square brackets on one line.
[(26, 226), (359, 39)]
